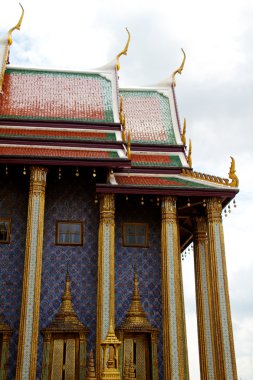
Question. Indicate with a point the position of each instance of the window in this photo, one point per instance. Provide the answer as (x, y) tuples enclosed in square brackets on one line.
[(69, 233), (135, 234), (5, 230)]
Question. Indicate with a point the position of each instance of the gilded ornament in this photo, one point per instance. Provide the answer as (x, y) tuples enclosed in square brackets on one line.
[(189, 157), (123, 52), (179, 70), (183, 137), (16, 27), (214, 210), (234, 179), (129, 145)]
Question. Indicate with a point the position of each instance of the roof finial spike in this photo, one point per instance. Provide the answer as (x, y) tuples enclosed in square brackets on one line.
[(189, 157), (183, 137), (17, 26), (179, 70), (123, 52), (234, 179)]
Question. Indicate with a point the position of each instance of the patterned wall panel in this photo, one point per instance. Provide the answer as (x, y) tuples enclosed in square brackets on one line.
[(13, 204), (71, 198), (146, 260)]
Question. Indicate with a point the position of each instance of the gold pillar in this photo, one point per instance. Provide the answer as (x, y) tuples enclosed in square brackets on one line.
[(29, 318), (222, 325), (175, 355), (203, 300), (105, 292)]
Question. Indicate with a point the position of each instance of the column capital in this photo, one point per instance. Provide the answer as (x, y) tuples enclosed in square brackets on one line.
[(169, 209), (214, 209), (38, 176), (107, 208), (200, 229)]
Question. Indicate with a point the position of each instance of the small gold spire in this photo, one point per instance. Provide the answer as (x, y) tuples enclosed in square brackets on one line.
[(121, 109), (66, 305), (91, 371), (179, 70), (183, 137), (123, 52), (136, 317), (129, 145), (234, 179), (189, 157), (16, 27)]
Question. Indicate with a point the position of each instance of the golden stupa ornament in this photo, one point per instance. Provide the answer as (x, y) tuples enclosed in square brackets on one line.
[(123, 52), (189, 157), (179, 70), (183, 137), (17, 26), (110, 347), (234, 179)]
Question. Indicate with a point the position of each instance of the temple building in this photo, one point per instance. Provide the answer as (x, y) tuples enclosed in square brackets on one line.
[(98, 201)]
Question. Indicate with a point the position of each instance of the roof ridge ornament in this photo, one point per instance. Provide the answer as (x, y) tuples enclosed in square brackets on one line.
[(16, 27), (189, 157), (179, 70), (123, 52), (234, 179), (205, 177), (183, 136), (5, 44)]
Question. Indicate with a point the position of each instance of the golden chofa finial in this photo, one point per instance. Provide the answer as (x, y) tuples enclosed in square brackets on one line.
[(189, 157), (123, 52), (16, 27), (183, 137), (179, 70), (129, 146), (234, 179)]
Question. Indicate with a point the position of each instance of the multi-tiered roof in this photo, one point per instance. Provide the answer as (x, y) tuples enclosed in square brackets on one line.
[(71, 118)]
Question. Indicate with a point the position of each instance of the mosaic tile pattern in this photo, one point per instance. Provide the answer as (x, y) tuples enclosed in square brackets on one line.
[(223, 304), (172, 302), (148, 117), (14, 205), (55, 152), (56, 95), (106, 282), (31, 288), (147, 262), (51, 134), (207, 322), (157, 181), (70, 198), (155, 160)]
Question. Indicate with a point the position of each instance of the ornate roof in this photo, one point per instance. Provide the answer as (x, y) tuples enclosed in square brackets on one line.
[(59, 95), (150, 116)]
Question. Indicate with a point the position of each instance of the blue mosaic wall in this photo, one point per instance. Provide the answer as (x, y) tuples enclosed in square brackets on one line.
[(70, 198), (147, 262), (13, 204)]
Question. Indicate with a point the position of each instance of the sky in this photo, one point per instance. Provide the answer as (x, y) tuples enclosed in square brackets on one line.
[(214, 94)]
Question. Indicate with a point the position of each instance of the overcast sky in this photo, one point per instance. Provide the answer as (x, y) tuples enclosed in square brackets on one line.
[(214, 93)]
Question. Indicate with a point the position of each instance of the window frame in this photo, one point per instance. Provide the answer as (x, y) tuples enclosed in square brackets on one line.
[(124, 234), (57, 233), (8, 240)]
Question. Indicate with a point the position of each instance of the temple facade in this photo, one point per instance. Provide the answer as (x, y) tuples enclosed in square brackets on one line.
[(98, 200)]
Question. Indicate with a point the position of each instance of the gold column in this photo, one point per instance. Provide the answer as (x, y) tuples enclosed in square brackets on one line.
[(174, 339), (105, 292), (222, 325), (203, 300), (29, 318)]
